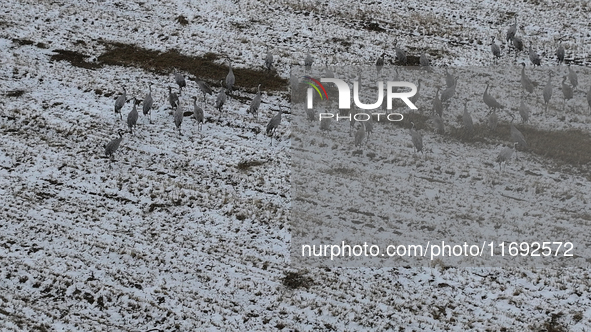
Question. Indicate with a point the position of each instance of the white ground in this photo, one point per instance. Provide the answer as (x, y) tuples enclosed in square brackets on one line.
[(174, 236)]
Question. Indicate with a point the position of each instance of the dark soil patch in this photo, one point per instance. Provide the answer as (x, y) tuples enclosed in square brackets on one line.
[(246, 164), (295, 280), (374, 26), (14, 93), (22, 42), (74, 58), (164, 63), (204, 68)]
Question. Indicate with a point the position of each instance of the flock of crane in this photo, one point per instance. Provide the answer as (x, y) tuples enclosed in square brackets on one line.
[(198, 114), (518, 139), (365, 128)]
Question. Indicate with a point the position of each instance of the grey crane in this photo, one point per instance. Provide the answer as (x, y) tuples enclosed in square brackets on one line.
[(180, 80), (504, 156), (273, 124), (311, 114), (524, 111), (526, 83), (400, 54), (512, 30), (294, 82), (352, 120), (230, 79), (360, 134), (560, 54), (325, 124), (448, 93), (256, 102), (589, 99), (567, 92), (547, 93), (517, 137), (493, 120), (121, 100), (424, 61), (495, 49), (467, 119), (437, 105), (368, 127), (534, 57), (147, 104), (415, 97), (572, 77), (198, 114), (221, 99), (327, 72), (517, 44), (132, 116), (417, 139), (450, 80), (113, 145), (308, 62), (380, 63), (178, 117), (490, 101), (205, 88), (269, 60), (439, 127), (173, 99)]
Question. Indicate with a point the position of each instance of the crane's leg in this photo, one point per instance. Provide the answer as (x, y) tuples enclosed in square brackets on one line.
[(546, 108)]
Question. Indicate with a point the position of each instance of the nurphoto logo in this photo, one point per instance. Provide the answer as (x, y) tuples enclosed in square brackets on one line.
[(392, 92)]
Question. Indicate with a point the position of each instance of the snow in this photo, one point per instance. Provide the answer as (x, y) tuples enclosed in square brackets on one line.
[(174, 235)]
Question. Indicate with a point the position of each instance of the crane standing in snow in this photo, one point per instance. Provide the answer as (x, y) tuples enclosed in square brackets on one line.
[(173, 99), (505, 155), (113, 145), (178, 117), (147, 104), (205, 88), (495, 49), (269, 60), (221, 98), (417, 139), (547, 93), (198, 114), (180, 80), (273, 124), (256, 102), (230, 78), (121, 100), (132, 116)]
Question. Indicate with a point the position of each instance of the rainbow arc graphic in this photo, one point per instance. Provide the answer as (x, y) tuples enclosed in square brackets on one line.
[(315, 84)]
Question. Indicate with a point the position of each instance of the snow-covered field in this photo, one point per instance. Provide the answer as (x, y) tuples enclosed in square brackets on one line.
[(192, 232)]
